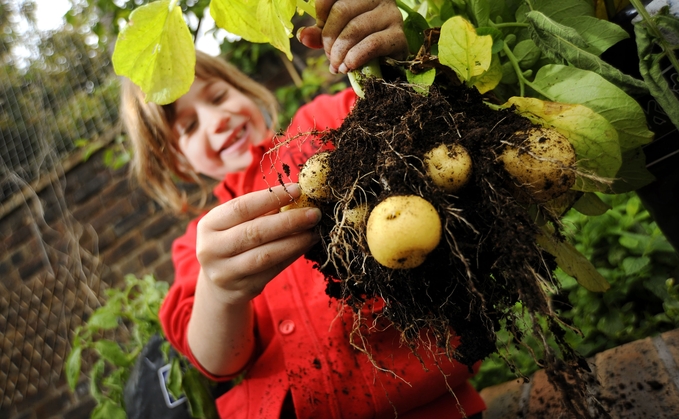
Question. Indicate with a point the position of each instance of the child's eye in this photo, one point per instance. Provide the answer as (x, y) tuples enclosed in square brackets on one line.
[(219, 96), (187, 127)]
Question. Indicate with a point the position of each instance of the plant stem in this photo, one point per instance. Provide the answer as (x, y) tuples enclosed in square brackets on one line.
[(306, 7), (517, 69), (508, 25), (356, 77), (660, 38), (523, 81), (404, 7)]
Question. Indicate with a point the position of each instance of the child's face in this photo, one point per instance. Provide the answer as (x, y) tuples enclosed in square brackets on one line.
[(216, 124)]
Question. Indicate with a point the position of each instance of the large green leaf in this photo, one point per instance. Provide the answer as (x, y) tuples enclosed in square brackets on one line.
[(461, 49), (558, 10), (568, 84), (653, 71), (599, 34), (594, 139), (566, 45), (262, 21), (156, 52), (201, 401)]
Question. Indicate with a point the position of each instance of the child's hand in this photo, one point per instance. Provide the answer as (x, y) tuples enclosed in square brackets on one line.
[(353, 32), (244, 243)]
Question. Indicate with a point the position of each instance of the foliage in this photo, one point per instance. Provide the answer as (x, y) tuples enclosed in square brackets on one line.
[(135, 309), (628, 248)]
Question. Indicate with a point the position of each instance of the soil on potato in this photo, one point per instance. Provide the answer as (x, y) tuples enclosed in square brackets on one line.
[(487, 260)]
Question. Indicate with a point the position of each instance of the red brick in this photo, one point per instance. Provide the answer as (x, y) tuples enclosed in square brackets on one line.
[(634, 382), (503, 399)]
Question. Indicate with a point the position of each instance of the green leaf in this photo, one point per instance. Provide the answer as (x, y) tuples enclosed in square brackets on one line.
[(572, 85), (479, 11), (262, 21), (556, 10), (590, 204), (573, 263), (103, 318), (414, 27), (653, 73), (112, 352), (632, 265), (201, 401), (108, 410), (73, 365), (594, 139), (632, 174), (598, 33), (421, 81), (156, 52), (565, 44), (461, 49), (174, 381), (526, 53)]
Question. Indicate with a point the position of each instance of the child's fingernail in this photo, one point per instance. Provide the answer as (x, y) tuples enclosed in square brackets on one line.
[(343, 68), (313, 215)]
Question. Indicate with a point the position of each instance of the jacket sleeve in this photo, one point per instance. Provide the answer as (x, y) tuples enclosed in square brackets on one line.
[(177, 306)]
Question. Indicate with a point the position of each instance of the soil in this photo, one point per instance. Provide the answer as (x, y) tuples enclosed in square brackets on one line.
[(487, 261)]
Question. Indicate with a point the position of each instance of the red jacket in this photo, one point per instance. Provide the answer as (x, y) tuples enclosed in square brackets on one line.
[(303, 337)]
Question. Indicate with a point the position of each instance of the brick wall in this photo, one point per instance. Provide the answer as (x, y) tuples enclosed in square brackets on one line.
[(62, 242)]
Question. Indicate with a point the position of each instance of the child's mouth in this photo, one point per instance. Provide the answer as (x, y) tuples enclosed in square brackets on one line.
[(235, 141)]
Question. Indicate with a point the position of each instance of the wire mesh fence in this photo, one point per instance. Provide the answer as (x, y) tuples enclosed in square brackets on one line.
[(57, 93)]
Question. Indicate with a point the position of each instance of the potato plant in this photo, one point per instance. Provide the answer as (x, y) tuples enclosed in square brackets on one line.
[(503, 117)]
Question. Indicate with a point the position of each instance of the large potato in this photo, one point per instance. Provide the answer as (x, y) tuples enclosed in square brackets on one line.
[(449, 166), (542, 165), (402, 231)]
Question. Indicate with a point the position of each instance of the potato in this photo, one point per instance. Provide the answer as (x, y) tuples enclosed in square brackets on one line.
[(449, 166), (402, 231), (302, 202), (356, 216), (313, 177), (542, 164)]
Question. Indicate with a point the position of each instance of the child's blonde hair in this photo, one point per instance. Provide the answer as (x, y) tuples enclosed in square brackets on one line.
[(157, 161)]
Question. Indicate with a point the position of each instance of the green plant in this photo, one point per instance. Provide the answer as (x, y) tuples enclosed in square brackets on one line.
[(630, 251), (133, 309)]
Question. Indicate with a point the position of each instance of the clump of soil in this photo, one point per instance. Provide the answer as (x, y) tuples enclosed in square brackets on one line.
[(487, 260)]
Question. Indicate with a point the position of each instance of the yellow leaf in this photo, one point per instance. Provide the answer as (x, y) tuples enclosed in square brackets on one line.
[(573, 263), (461, 49), (489, 79)]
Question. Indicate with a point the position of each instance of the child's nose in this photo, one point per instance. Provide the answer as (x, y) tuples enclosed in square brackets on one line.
[(220, 122)]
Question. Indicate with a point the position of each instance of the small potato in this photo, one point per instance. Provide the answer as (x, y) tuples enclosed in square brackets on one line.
[(542, 164), (313, 178), (402, 231), (302, 202), (449, 166), (356, 216)]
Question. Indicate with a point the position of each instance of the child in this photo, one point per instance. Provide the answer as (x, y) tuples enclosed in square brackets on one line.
[(243, 300)]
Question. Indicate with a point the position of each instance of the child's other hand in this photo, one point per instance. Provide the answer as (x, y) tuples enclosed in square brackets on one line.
[(244, 243), (353, 32)]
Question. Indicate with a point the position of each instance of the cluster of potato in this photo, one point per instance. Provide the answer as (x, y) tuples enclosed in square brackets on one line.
[(402, 230)]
